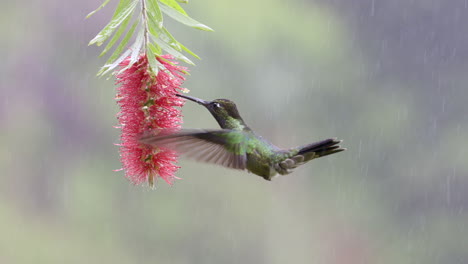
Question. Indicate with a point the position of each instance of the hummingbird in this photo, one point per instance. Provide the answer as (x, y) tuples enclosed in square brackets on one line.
[(236, 145)]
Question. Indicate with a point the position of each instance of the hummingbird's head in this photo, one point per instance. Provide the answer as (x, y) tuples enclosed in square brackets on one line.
[(223, 110)]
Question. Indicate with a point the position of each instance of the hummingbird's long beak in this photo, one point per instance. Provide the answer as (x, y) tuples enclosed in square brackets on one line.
[(194, 99)]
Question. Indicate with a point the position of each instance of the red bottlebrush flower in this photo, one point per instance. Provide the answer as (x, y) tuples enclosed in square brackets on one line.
[(148, 102)]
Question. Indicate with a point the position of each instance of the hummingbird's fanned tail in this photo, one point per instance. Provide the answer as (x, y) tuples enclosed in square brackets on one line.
[(320, 149), (307, 153)]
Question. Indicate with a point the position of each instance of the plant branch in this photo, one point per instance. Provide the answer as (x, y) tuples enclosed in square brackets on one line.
[(144, 16)]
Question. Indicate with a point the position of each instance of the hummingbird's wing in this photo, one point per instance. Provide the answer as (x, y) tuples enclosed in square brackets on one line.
[(223, 147)]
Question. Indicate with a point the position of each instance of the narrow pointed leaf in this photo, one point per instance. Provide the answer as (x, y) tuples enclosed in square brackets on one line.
[(184, 19), (116, 36), (164, 35), (154, 13), (153, 63), (118, 50), (172, 51), (168, 38), (189, 51), (174, 5), (124, 10), (155, 49), (153, 28), (122, 44), (136, 48), (109, 67), (99, 8)]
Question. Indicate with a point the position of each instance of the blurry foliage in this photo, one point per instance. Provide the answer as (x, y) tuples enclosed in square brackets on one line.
[(300, 71), (152, 39)]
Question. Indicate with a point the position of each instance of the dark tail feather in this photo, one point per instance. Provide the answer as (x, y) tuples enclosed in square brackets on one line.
[(321, 148)]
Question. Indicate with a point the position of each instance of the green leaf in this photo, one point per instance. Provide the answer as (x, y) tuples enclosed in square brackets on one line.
[(174, 5), (167, 37), (155, 49), (123, 43), (134, 52), (189, 51), (164, 35), (154, 13), (153, 63), (136, 48), (165, 46), (117, 51), (153, 28), (124, 9), (109, 67), (99, 8), (116, 36), (184, 19)]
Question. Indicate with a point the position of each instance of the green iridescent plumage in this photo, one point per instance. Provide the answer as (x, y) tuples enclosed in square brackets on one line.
[(236, 145)]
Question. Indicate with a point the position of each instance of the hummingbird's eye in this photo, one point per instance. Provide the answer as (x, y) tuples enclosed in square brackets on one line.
[(216, 105)]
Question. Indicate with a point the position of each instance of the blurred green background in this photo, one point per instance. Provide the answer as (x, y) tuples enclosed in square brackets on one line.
[(389, 77)]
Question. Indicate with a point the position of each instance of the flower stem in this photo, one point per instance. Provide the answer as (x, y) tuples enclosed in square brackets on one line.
[(144, 16)]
